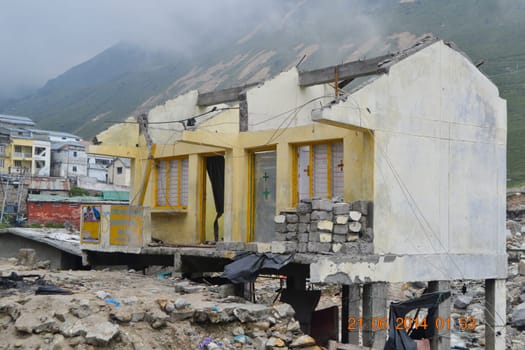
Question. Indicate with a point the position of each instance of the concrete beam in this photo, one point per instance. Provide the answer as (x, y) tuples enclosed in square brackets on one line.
[(495, 314), (205, 138), (345, 71), (222, 96), (441, 339), (113, 150)]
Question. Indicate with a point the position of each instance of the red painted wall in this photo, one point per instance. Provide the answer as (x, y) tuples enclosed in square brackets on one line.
[(54, 212)]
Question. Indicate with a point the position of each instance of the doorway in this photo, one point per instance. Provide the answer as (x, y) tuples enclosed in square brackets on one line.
[(212, 206), (263, 195)]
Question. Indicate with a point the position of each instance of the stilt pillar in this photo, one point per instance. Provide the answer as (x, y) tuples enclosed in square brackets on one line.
[(374, 315), (350, 313), (441, 339), (495, 314)]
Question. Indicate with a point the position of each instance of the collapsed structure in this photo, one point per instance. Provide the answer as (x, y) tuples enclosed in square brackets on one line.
[(416, 147)]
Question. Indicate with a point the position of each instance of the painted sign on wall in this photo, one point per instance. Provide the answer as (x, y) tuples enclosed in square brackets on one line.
[(90, 232), (125, 226)]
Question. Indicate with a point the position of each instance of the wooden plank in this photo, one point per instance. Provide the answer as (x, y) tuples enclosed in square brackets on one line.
[(346, 71), (223, 96)]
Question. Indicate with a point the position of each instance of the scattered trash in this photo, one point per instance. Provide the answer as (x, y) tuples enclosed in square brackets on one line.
[(215, 308), (164, 275), (112, 301), (101, 294), (181, 303), (241, 339), (204, 343)]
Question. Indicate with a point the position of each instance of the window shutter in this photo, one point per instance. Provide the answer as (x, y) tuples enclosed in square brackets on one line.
[(184, 183), (320, 171), (303, 171), (337, 170), (161, 183), (173, 183)]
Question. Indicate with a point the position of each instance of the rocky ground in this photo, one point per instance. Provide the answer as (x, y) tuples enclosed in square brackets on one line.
[(129, 310)]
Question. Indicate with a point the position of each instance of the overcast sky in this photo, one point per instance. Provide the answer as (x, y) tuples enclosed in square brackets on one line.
[(39, 39)]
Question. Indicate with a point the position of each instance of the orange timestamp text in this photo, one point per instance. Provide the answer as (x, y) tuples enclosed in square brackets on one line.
[(407, 323)]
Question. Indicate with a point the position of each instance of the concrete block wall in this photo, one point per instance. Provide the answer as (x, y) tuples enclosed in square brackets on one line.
[(325, 226)]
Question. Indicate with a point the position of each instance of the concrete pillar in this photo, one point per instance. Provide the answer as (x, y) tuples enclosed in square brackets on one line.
[(350, 301), (495, 314), (441, 339), (375, 322)]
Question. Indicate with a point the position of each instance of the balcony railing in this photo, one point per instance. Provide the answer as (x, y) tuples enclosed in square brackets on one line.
[(22, 155)]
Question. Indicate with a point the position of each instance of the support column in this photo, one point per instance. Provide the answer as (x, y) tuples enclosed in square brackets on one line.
[(350, 301), (495, 314), (374, 315), (441, 339)]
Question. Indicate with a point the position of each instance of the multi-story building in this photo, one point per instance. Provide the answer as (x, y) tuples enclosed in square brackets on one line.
[(119, 172), (69, 159)]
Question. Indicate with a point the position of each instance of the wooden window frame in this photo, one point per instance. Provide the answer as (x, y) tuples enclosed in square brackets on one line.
[(167, 177), (295, 185)]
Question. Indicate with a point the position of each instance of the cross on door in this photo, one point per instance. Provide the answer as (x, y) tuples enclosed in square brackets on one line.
[(266, 193), (340, 165), (265, 177)]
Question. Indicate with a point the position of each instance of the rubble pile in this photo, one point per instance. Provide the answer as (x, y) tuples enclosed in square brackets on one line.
[(127, 310), (323, 226)]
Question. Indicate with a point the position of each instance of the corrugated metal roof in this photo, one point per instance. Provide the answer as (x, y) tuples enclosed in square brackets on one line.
[(11, 119), (115, 195), (49, 184), (50, 198)]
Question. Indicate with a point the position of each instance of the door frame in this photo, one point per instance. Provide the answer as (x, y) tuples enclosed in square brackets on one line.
[(202, 195), (250, 200)]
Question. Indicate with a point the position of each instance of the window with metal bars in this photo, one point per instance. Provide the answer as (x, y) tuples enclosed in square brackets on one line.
[(319, 170), (172, 183)]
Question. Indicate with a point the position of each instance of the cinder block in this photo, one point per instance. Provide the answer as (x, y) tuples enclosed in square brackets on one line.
[(340, 229), (321, 215), (336, 247), (338, 238), (304, 218), (302, 247), (317, 247), (364, 222), (304, 208), (361, 206), (313, 236), (341, 219), (259, 247), (281, 227), (351, 237), (316, 204), (341, 208), (292, 218), (313, 226), (325, 237), (325, 226), (302, 227), (283, 247), (326, 204), (279, 236), (291, 236), (302, 237), (355, 215), (355, 226), (279, 219), (291, 227)]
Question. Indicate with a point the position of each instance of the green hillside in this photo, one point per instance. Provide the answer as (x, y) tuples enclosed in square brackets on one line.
[(126, 79)]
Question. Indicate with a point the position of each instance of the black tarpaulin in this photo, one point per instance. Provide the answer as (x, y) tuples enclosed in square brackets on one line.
[(399, 339), (215, 169), (247, 266)]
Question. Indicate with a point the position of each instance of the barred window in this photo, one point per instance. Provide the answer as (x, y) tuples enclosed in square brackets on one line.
[(319, 170), (172, 183)]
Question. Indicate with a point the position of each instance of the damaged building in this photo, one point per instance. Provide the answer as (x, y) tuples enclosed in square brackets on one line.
[(389, 169)]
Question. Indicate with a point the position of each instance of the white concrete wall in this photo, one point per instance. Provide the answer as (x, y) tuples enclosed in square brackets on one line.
[(440, 155), (280, 102)]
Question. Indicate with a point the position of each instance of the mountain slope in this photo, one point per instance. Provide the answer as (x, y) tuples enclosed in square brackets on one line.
[(126, 79)]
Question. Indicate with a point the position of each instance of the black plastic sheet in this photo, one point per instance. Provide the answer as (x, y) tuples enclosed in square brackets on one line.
[(247, 266)]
